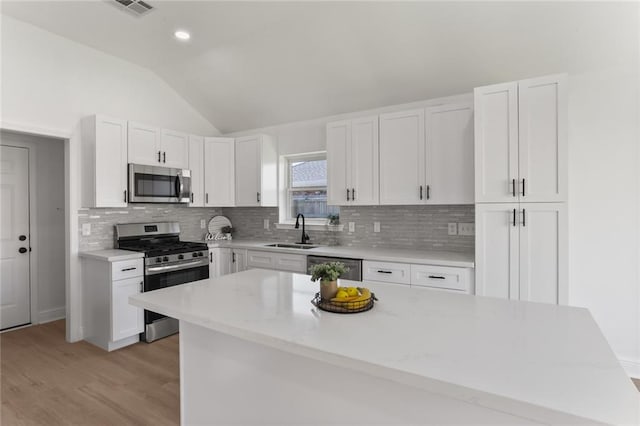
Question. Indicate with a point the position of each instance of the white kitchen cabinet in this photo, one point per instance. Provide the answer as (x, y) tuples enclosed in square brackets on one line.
[(153, 146), (445, 278), (352, 162), (277, 261), (196, 165), (449, 154), (521, 251), (521, 141), (104, 161), (238, 260), (110, 321), (224, 261), (256, 171), (219, 172), (402, 157), (388, 272)]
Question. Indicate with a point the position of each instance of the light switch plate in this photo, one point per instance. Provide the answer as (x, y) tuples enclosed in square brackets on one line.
[(376, 226), (352, 227), (466, 229), (453, 229), (266, 224), (86, 229), (203, 224)]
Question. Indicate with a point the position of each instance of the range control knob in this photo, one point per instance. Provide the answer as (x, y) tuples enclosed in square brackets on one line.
[(180, 257), (165, 259), (200, 254), (194, 254), (158, 260)]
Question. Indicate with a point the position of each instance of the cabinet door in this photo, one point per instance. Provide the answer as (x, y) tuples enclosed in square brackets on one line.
[(248, 171), (402, 153), (542, 125), (219, 160), (175, 149), (110, 162), (543, 252), (497, 250), (449, 136), (213, 264), (239, 260), (223, 258), (261, 259), (196, 165), (496, 143), (338, 142), (144, 144), (126, 320), (362, 162)]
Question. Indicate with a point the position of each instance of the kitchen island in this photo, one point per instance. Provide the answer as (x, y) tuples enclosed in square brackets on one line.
[(253, 350)]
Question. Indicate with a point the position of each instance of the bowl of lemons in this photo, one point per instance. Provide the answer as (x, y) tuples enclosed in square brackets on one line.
[(347, 300)]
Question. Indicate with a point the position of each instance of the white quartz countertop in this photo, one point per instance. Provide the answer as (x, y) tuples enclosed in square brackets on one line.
[(520, 357), (111, 255), (417, 256)]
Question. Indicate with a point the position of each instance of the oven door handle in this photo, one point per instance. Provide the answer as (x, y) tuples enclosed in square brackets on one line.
[(172, 267)]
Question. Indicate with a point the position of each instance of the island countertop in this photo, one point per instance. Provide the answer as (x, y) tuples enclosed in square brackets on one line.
[(507, 355)]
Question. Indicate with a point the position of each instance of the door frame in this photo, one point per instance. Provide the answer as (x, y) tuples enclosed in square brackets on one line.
[(71, 140)]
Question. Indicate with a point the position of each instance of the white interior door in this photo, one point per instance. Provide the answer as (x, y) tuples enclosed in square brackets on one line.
[(15, 306), (363, 159), (338, 141)]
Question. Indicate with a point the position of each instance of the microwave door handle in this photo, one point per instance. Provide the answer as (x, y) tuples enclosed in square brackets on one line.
[(179, 186)]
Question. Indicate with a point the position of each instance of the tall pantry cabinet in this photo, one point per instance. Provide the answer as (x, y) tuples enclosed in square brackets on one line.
[(521, 189)]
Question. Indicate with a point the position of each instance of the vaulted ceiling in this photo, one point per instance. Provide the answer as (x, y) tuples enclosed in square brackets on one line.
[(250, 65)]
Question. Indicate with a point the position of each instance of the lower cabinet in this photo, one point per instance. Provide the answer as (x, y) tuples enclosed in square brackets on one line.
[(277, 261), (521, 251), (110, 322), (446, 278), (224, 261)]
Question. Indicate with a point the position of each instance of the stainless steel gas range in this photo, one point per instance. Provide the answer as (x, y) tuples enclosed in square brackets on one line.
[(167, 262)]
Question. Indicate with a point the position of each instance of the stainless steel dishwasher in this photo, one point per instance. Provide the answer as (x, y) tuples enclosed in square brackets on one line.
[(355, 265)]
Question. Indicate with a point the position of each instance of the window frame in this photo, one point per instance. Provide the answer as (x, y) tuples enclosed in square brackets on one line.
[(286, 189)]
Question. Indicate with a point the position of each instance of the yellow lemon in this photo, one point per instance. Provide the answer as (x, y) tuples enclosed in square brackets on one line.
[(342, 294), (352, 291)]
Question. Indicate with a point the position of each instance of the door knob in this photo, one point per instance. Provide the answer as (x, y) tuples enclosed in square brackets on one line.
[(22, 237), (22, 250)]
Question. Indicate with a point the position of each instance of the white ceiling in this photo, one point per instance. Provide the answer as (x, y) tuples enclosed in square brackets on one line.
[(250, 65)]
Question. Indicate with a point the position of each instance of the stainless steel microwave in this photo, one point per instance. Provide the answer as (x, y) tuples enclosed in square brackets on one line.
[(154, 184)]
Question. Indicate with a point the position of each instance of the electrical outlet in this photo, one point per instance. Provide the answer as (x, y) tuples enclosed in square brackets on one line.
[(453, 229), (203, 224), (86, 229), (466, 229), (266, 224), (352, 227), (376, 226)]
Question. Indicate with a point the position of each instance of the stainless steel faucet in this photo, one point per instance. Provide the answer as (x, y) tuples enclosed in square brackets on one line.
[(305, 237)]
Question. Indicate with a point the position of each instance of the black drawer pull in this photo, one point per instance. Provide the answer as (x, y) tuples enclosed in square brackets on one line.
[(129, 269), (438, 277), (384, 272)]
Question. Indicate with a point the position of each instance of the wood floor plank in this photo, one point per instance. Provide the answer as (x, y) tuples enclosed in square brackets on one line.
[(47, 381)]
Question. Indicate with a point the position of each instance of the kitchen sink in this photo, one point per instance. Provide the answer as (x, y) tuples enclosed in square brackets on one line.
[(293, 246)]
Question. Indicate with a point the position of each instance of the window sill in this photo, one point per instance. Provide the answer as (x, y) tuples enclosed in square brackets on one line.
[(312, 227)]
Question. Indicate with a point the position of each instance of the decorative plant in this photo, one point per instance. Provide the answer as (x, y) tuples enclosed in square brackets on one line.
[(330, 271), (334, 219), (226, 230)]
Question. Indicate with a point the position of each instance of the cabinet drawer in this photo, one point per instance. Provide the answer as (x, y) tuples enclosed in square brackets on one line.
[(127, 269), (291, 263), (386, 272), (441, 277), (260, 259)]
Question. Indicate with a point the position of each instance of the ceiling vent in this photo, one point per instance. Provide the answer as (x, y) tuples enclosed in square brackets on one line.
[(135, 7)]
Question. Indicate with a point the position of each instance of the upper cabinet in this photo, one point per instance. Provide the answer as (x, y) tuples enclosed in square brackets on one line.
[(521, 141), (256, 171), (157, 147), (219, 172), (104, 162), (196, 165), (352, 162)]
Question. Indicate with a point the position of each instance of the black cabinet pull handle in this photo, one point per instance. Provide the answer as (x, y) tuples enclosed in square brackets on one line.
[(159, 154), (524, 217), (514, 217), (206, 198), (22, 237), (129, 269), (141, 286), (192, 197), (353, 194), (421, 192), (428, 192), (385, 272), (438, 277), (233, 257), (258, 196), (523, 187), (513, 187), (348, 194), (22, 250), (211, 257), (125, 195), (164, 157)]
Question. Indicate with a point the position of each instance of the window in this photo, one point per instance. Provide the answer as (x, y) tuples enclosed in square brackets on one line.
[(306, 188)]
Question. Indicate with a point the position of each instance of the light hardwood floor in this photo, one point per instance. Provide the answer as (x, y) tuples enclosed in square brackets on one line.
[(47, 381)]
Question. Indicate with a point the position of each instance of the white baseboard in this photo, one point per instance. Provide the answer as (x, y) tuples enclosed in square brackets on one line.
[(51, 315), (632, 367)]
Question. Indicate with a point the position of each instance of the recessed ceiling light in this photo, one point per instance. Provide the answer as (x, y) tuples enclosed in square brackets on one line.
[(182, 35)]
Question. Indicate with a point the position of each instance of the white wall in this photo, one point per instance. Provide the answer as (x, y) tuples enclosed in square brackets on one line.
[(46, 161)]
